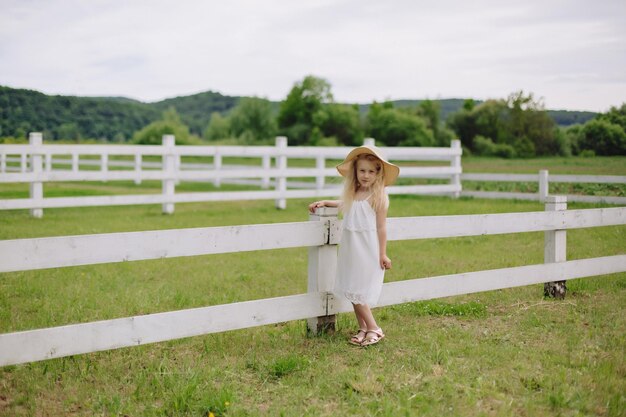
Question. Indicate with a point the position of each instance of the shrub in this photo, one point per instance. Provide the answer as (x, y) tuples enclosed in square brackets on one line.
[(485, 146)]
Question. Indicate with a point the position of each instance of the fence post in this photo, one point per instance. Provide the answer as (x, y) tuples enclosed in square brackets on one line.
[(544, 186), (555, 245), (369, 142), (178, 164), (217, 166), (3, 162), (23, 162), (320, 165), (266, 166), (49, 162), (104, 165), (455, 162), (75, 162), (322, 269), (138, 168), (281, 164), (169, 165), (36, 187)]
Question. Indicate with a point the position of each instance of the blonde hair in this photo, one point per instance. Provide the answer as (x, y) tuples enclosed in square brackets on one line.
[(378, 199)]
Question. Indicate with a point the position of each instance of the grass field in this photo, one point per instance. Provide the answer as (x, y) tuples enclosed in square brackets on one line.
[(499, 353)]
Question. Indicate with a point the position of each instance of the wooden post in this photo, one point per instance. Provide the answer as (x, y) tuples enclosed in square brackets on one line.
[(217, 166), (23, 162), (104, 165), (320, 179), (48, 162), (169, 165), (544, 186), (3, 162), (75, 162), (36, 187), (555, 247), (281, 163), (266, 166), (138, 168), (178, 164), (369, 142), (322, 269), (455, 162)]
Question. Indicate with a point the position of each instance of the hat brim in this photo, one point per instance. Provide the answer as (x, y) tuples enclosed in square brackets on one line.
[(390, 171)]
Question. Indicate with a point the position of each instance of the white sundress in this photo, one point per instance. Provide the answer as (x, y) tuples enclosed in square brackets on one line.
[(359, 275)]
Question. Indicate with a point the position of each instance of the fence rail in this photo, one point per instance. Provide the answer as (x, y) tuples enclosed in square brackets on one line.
[(543, 178), (320, 235), (55, 252), (35, 167)]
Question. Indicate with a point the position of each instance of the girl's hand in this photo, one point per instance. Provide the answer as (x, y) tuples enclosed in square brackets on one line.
[(315, 205), (385, 262)]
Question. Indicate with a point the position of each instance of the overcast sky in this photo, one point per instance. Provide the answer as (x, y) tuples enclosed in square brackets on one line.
[(571, 53)]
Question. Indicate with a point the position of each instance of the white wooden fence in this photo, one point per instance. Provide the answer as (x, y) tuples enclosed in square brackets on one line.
[(320, 234), (544, 180), (36, 161)]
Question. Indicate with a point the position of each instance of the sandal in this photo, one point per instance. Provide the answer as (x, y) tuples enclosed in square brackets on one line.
[(358, 338), (378, 336)]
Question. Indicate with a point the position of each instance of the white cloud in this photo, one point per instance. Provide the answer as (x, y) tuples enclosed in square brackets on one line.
[(572, 53)]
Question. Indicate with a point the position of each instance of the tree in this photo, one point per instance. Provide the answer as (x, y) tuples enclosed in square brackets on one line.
[(253, 120), (69, 131), (491, 120), (218, 128), (520, 122), (533, 131), (170, 124), (430, 112), (394, 127), (616, 116), (572, 137), (306, 98), (463, 123), (339, 121), (603, 137)]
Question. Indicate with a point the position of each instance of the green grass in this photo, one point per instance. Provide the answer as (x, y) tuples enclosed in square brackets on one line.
[(498, 353), (600, 165)]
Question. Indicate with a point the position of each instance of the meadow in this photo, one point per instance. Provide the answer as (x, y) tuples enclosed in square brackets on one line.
[(499, 353)]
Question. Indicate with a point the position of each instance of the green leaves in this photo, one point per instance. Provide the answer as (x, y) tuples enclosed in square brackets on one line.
[(170, 124)]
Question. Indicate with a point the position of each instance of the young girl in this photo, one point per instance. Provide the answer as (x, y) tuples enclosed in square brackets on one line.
[(362, 258)]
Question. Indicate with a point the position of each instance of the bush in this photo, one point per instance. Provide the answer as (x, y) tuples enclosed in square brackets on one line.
[(485, 146), (523, 148), (218, 128), (603, 137), (327, 141), (171, 124)]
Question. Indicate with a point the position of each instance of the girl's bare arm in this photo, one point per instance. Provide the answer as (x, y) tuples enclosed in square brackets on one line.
[(381, 229), (324, 203)]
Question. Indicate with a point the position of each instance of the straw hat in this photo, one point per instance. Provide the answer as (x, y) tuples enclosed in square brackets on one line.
[(390, 171)]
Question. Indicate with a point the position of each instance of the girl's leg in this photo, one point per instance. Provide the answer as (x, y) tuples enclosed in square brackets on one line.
[(374, 333), (359, 337), (359, 317), (364, 316)]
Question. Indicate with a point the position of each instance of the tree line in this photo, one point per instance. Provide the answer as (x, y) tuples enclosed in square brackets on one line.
[(518, 126)]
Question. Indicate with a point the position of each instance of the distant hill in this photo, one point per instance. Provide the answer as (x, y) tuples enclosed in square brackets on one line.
[(568, 118), (447, 105), (23, 111), (117, 118), (453, 105), (195, 110), (109, 118)]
